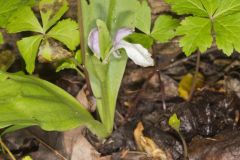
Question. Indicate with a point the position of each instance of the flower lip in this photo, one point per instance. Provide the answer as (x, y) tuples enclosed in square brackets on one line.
[(93, 41), (122, 33)]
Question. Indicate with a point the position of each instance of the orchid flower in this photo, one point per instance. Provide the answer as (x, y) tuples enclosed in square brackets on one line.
[(136, 52)]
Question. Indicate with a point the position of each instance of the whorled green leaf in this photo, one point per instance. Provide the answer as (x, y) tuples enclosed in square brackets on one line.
[(182, 7), (51, 11), (66, 31), (28, 48), (27, 101), (227, 31), (138, 38), (143, 18), (196, 32), (24, 20), (174, 122), (105, 41), (7, 8), (164, 28)]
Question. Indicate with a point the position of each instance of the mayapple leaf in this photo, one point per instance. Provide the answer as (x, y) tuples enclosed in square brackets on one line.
[(9, 7), (28, 48), (143, 18), (174, 122), (51, 11), (105, 41), (182, 7), (66, 31), (139, 38), (1, 38), (227, 29), (164, 28), (24, 20), (196, 33), (37, 102)]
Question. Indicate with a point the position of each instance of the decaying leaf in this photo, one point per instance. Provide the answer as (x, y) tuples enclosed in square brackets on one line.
[(147, 145), (6, 60), (185, 84)]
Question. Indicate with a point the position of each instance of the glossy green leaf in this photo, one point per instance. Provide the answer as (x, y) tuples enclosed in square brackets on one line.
[(164, 28), (105, 41), (139, 38), (51, 11), (28, 48), (196, 33), (66, 31), (27, 101), (24, 20), (8, 7), (227, 30), (174, 122), (143, 18)]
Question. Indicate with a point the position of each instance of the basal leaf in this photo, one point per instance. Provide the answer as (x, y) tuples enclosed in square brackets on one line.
[(26, 101), (227, 30), (105, 41), (182, 7), (66, 31), (24, 20), (139, 38), (51, 11), (9, 7), (164, 28), (143, 18), (196, 34), (28, 48)]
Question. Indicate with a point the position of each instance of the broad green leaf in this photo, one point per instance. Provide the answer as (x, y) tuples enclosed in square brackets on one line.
[(227, 7), (143, 18), (7, 8), (24, 20), (211, 6), (78, 56), (27, 101), (139, 38), (28, 48), (51, 11), (227, 30), (66, 31), (105, 41), (196, 34), (1, 38), (164, 28), (194, 7), (174, 122)]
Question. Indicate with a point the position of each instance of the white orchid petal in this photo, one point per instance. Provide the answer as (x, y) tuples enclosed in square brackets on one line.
[(93, 42), (137, 53), (122, 33)]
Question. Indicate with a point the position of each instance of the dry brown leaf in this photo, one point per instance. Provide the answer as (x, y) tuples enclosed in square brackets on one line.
[(147, 145)]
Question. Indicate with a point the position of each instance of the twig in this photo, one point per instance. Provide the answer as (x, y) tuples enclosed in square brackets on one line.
[(47, 146), (194, 81), (82, 38), (7, 150), (185, 149), (163, 95)]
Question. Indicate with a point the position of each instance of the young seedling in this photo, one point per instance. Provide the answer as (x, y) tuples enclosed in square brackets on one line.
[(175, 123)]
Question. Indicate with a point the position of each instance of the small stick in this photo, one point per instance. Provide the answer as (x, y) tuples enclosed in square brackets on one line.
[(194, 81), (7, 150), (163, 95)]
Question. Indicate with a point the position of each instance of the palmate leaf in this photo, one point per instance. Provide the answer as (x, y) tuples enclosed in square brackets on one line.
[(211, 18), (66, 31), (51, 11), (9, 7), (27, 101), (28, 48), (24, 20)]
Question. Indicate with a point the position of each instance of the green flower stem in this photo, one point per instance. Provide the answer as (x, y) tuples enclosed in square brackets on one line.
[(111, 10)]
